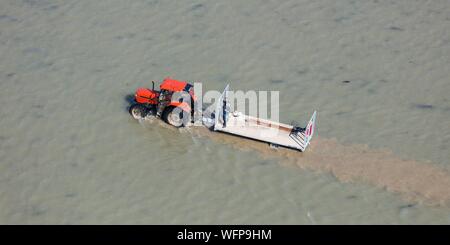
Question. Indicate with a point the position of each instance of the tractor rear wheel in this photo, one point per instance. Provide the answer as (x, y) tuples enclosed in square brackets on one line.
[(173, 117), (138, 111)]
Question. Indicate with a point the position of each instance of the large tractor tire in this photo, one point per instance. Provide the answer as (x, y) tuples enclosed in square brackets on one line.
[(176, 118)]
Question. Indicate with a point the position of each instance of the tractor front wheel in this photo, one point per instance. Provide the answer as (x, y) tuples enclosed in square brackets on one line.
[(138, 111)]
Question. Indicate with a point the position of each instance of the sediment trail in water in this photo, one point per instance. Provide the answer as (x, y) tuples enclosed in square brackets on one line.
[(416, 181)]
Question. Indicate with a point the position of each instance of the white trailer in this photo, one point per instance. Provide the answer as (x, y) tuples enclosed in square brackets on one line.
[(274, 133)]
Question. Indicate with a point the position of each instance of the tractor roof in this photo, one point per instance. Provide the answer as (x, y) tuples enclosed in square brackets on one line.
[(173, 85)]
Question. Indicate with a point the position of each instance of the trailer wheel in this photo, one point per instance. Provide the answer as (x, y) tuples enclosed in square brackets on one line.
[(138, 111), (173, 117)]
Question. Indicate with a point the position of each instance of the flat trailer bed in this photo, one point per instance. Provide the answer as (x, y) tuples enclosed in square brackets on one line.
[(274, 133)]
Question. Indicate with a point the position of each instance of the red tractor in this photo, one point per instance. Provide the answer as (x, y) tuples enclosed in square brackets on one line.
[(174, 102)]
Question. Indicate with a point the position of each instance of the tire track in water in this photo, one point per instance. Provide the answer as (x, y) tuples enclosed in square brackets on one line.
[(415, 181)]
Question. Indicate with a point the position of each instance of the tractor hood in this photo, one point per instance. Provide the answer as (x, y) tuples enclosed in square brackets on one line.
[(145, 95)]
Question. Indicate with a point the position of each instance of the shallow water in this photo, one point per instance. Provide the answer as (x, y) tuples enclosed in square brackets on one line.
[(70, 153)]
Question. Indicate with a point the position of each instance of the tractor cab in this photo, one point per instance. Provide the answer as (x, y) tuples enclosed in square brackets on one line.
[(173, 85), (168, 88)]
